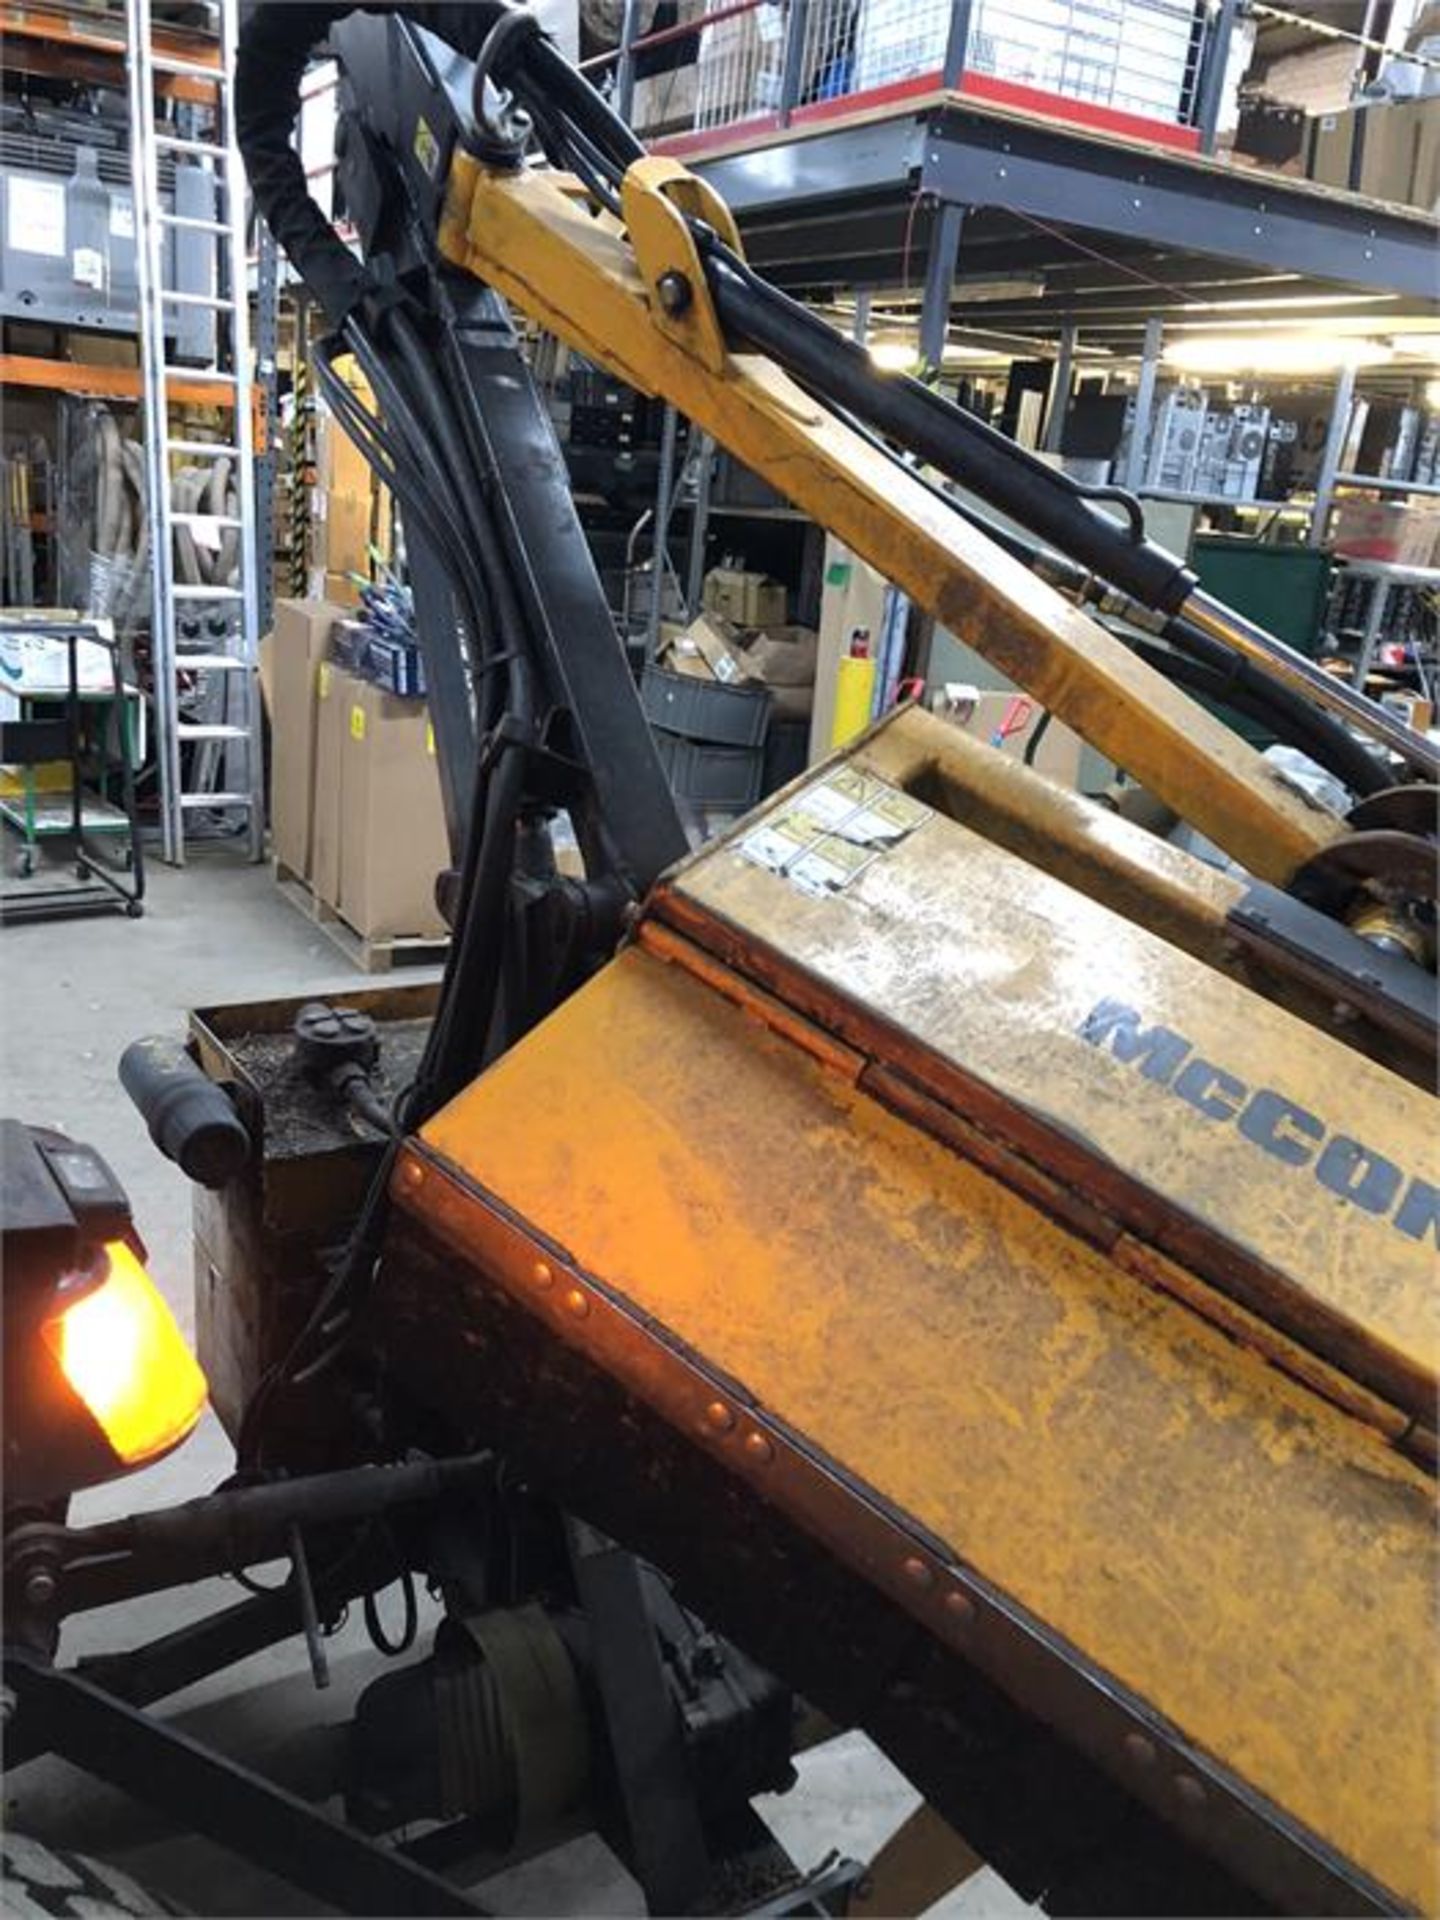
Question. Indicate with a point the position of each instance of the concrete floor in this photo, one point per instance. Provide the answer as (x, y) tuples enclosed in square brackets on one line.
[(72, 994)]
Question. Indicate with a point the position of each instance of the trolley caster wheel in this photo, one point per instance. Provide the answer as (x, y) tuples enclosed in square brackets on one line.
[(25, 864), (134, 910), (82, 872)]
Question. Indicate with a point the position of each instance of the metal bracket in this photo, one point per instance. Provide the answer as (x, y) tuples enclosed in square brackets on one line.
[(212, 1795), (1394, 995), (670, 1856), (659, 197)]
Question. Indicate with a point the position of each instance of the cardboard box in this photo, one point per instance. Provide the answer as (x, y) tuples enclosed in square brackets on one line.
[(40, 663), (1425, 191), (784, 660), (1332, 147), (340, 467), (1385, 530), (392, 827), (665, 102), (1413, 708), (710, 648), (342, 590), (783, 656), (345, 533), (265, 675), (1388, 137), (335, 693), (297, 646), (740, 62), (105, 350), (749, 599)]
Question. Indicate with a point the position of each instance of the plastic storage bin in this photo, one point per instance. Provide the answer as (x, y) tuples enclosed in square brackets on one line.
[(705, 710)]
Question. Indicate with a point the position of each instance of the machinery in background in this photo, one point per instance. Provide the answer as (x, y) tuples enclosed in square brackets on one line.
[(68, 235)]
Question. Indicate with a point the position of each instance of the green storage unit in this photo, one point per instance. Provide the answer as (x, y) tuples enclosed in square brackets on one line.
[(1283, 589), (1286, 590)]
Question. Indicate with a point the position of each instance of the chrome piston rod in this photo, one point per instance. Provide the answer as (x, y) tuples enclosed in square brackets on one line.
[(1294, 670)]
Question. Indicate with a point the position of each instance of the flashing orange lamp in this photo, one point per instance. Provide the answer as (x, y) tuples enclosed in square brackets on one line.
[(98, 1379), (123, 1354)]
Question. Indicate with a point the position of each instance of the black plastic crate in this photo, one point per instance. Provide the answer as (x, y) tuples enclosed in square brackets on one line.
[(726, 778), (787, 751), (704, 710)]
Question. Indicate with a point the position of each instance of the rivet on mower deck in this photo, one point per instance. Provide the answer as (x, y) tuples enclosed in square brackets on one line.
[(1189, 1792)]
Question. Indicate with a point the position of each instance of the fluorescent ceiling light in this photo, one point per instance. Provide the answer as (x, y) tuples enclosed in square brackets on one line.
[(1275, 353), (1277, 302), (893, 356), (978, 291)]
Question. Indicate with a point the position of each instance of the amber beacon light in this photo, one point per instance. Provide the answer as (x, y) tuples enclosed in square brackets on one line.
[(123, 1354)]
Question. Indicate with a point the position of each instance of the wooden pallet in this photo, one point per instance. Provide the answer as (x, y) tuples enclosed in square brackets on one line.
[(371, 953)]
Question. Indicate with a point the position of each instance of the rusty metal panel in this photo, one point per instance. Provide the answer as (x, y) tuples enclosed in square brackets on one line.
[(808, 1285), (1298, 1176)]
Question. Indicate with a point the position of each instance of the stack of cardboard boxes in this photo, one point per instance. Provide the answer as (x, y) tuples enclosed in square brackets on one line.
[(355, 807), (1388, 150), (350, 512), (743, 639), (730, 695)]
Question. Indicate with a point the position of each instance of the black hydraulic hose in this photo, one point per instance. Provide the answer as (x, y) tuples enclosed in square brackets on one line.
[(959, 444), (1313, 732), (274, 46), (276, 41), (1227, 676), (543, 73), (1292, 718)]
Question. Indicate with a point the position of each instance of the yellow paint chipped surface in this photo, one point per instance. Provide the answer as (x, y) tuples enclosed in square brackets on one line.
[(992, 965), (1257, 1566)]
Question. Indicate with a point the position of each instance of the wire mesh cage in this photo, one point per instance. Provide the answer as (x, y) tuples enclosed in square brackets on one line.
[(741, 62), (735, 63), (1137, 56)]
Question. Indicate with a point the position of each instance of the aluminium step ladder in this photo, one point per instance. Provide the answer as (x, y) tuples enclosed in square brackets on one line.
[(208, 734)]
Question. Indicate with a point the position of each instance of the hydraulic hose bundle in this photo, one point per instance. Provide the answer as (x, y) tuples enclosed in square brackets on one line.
[(426, 449)]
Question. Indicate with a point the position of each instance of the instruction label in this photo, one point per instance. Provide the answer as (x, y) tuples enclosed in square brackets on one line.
[(122, 217), (35, 216), (427, 147), (87, 268), (830, 833)]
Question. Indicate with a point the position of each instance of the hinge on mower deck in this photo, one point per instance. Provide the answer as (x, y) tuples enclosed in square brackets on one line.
[(1060, 1200)]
